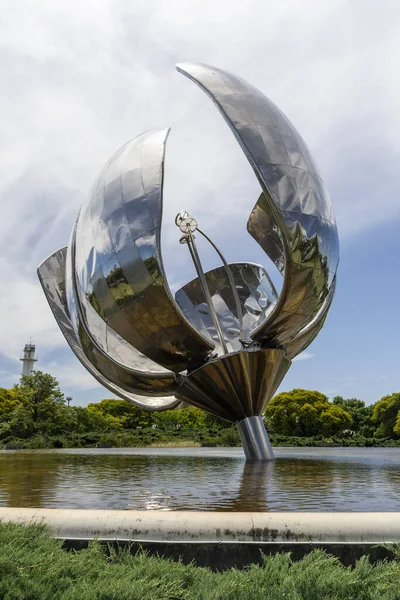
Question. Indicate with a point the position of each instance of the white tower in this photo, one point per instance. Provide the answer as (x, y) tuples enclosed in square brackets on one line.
[(28, 362)]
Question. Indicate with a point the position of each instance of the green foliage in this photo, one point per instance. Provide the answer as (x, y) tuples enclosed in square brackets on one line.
[(386, 414), (305, 413), (396, 428), (8, 403), (120, 414), (229, 437), (187, 418), (39, 408), (86, 420), (33, 566), (361, 415), (34, 415)]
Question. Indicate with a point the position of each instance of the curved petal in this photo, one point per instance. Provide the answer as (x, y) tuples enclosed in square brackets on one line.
[(256, 293), (118, 264), (309, 333), (119, 381), (293, 219), (86, 321)]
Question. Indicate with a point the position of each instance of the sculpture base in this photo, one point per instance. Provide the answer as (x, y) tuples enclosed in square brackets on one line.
[(254, 437), (237, 385)]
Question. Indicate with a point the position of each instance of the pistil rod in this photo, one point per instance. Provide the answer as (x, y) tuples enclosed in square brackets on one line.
[(231, 281), (203, 282)]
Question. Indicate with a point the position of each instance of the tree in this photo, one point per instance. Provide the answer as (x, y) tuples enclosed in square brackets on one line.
[(360, 413), (38, 391), (127, 416), (305, 413), (86, 420), (120, 414), (385, 414), (185, 418), (40, 407), (8, 403), (396, 428)]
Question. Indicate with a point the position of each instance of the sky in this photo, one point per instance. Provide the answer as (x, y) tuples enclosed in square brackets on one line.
[(79, 79)]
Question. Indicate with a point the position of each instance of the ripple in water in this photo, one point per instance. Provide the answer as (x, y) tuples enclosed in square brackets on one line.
[(305, 479)]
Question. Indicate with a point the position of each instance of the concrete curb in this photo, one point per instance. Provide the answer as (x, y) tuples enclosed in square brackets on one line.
[(213, 527)]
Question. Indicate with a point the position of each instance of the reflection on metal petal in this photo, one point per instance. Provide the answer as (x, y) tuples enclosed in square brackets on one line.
[(237, 385), (256, 292), (120, 274), (52, 278), (102, 345), (110, 295), (293, 219), (307, 335)]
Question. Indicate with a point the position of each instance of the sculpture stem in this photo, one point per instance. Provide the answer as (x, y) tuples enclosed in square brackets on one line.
[(231, 281), (206, 291), (254, 437)]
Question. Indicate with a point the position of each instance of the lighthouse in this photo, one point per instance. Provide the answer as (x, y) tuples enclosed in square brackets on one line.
[(28, 362)]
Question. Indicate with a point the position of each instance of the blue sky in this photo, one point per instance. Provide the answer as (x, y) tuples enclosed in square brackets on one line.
[(80, 79)]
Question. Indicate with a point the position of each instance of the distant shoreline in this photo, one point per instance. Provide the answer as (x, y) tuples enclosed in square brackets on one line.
[(130, 440)]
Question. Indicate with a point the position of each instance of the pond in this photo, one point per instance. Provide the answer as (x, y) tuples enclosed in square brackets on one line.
[(301, 479)]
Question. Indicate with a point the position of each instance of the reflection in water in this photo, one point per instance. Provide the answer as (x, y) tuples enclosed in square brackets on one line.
[(202, 479), (27, 482), (255, 482)]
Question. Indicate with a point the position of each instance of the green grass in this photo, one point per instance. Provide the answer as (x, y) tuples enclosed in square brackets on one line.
[(33, 566)]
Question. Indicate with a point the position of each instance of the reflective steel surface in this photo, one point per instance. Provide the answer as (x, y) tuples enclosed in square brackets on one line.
[(118, 268), (206, 293), (256, 293), (235, 293), (254, 438), (119, 381), (111, 298), (293, 220), (236, 386), (300, 479)]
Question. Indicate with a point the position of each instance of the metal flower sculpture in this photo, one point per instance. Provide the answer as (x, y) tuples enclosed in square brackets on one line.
[(226, 340)]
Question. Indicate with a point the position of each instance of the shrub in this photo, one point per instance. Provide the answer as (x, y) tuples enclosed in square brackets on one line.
[(33, 566), (229, 437)]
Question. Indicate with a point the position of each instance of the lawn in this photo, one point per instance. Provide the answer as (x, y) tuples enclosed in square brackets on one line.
[(33, 566)]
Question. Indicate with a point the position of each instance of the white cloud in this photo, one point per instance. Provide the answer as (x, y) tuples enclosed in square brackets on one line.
[(303, 356), (24, 314), (81, 78), (71, 375)]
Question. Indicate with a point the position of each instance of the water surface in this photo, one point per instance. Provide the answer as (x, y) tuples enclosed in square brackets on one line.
[(305, 479)]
